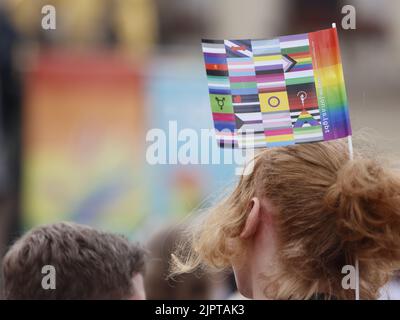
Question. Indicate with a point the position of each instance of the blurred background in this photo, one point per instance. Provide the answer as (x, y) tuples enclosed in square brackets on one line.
[(77, 102)]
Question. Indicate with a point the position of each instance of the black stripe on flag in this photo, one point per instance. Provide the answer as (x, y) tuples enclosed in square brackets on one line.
[(247, 108), (217, 73), (275, 71), (212, 41)]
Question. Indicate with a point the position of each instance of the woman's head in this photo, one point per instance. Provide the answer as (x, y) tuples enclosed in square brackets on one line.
[(303, 213)]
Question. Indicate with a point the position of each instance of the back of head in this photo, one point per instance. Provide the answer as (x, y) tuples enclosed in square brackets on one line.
[(158, 284), (331, 210), (89, 264)]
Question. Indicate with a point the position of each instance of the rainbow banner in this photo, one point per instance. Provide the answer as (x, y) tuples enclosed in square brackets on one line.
[(277, 92)]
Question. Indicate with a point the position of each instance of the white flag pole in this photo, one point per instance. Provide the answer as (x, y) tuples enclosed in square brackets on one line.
[(351, 157), (357, 269)]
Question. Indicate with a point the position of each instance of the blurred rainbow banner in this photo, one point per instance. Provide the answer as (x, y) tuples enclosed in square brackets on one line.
[(284, 91), (84, 127)]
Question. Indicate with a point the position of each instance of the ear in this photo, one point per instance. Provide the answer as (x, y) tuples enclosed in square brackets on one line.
[(252, 220)]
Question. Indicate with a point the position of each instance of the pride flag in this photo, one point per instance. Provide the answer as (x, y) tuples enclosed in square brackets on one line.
[(283, 91)]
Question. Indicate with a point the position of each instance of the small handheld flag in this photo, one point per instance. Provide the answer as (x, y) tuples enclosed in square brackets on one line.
[(283, 91)]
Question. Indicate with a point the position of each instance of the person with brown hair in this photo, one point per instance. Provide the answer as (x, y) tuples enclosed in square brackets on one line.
[(87, 264), (302, 214), (189, 286)]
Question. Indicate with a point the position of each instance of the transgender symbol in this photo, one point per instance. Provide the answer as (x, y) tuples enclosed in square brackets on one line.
[(220, 102), (274, 101)]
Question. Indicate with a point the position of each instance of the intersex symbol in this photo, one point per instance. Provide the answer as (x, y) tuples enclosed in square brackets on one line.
[(274, 101)]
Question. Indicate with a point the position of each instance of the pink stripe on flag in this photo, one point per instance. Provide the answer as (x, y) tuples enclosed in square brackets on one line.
[(278, 132), (229, 117), (225, 135), (270, 77), (238, 63), (243, 79)]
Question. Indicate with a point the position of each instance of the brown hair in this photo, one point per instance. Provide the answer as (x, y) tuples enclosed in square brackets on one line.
[(89, 264), (330, 211), (185, 286)]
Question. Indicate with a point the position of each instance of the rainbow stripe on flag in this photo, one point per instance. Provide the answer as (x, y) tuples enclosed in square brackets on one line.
[(277, 92)]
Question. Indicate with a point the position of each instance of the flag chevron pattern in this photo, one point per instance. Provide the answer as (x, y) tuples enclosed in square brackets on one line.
[(285, 90)]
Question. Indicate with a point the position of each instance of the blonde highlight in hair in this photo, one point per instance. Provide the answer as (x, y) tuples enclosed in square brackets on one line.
[(330, 211)]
